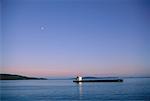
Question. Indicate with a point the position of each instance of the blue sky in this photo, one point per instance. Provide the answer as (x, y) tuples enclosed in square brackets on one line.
[(76, 37)]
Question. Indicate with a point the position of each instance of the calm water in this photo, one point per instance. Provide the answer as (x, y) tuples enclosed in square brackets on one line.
[(47, 90)]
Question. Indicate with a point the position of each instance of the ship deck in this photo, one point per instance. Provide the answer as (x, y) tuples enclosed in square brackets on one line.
[(102, 80)]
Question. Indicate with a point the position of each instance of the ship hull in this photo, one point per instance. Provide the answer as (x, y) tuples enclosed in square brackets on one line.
[(116, 80)]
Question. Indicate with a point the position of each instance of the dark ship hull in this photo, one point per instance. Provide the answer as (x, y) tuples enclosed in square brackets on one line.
[(103, 80)]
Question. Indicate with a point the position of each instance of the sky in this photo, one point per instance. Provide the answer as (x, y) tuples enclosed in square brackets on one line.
[(65, 38)]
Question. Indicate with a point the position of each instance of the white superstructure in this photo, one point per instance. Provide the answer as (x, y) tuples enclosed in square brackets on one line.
[(79, 78)]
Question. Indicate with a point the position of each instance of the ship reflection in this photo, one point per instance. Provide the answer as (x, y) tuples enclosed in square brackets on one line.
[(80, 90)]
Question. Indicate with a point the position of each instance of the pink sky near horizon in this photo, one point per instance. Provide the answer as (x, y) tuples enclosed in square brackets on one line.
[(119, 70)]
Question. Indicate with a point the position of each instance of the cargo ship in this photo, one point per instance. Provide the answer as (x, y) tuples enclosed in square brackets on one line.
[(79, 79)]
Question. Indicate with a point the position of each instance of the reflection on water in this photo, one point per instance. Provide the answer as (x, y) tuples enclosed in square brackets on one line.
[(80, 89)]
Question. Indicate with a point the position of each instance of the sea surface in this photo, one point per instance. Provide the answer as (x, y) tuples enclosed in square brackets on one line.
[(59, 90)]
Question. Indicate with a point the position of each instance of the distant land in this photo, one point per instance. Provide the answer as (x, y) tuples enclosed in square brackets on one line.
[(18, 77)]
